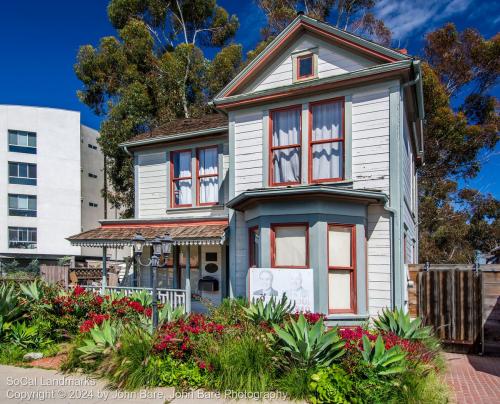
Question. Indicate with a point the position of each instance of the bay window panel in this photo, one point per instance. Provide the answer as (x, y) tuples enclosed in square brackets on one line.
[(182, 164), (327, 160), (182, 192), (340, 247), (208, 161), (290, 246), (327, 121), (339, 290), (209, 190), (286, 165)]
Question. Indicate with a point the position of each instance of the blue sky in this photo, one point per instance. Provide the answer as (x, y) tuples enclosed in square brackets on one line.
[(39, 41)]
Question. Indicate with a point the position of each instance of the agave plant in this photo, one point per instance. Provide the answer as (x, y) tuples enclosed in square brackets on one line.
[(273, 312), (307, 345), (10, 310), (385, 362), (103, 339), (398, 322), (33, 291), (143, 297)]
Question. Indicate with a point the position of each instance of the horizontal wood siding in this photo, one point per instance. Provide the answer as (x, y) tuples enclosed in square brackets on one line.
[(370, 140), (152, 184), (332, 61), (379, 259), (241, 240), (248, 140)]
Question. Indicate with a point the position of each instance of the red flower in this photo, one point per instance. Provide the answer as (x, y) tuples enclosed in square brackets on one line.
[(78, 290), (95, 319)]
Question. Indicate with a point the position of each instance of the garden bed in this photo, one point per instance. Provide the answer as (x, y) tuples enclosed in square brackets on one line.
[(239, 347)]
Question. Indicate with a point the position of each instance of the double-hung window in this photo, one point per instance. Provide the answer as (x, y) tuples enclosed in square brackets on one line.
[(182, 178), (22, 205), (341, 268), (22, 173), (22, 142), (22, 237), (253, 246), (208, 175), (290, 245), (326, 141), (285, 147)]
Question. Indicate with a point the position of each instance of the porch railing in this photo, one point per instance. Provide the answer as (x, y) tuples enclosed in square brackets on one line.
[(174, 297)]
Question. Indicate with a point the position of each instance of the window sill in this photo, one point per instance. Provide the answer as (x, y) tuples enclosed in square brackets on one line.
[(196, 208), (348, 320)]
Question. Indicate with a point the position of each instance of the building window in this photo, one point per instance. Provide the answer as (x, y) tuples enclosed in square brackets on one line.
[(92, 175), (289, 246), (305, 66), (22, 237), (182, 178), (285, 146), (22, 142), (93, 204), (91, 146), (208, 175), (22, 205), (253, 246), (22, 173), (341, 268), (326, 141)]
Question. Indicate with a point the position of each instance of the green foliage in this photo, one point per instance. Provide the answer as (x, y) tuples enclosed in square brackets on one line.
[(229, 312), (308, 346), (172, 372), (33, 291), (272, 312), (401, 324), (102, 341), (11, 354), (27, 336), (295, 383), (331, 385), (10, 309), (143, 297), (385, 362)]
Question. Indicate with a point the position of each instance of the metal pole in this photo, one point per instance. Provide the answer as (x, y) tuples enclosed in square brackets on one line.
[(188, 279), (154, 304), (104, 269)]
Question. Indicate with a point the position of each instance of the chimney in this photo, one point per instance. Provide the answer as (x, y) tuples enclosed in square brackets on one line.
[(404, 51)]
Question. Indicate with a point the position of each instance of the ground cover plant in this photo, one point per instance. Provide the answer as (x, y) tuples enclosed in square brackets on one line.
[(240, 346)]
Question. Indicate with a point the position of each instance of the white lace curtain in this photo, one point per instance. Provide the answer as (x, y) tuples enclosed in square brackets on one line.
[(286, 131), (327, 157), (209, 180), (182, 186)]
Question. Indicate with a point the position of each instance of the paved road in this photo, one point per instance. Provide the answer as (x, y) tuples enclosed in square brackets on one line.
[(32, 385)]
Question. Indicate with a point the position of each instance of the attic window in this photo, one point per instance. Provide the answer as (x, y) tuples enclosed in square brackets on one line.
[(305, 66)]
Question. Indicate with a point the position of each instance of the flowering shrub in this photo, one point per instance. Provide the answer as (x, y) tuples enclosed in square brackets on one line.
[(176, 338), (95, 319), (311, 318)]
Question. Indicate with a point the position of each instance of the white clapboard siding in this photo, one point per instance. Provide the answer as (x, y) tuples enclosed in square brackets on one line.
[(370, 140), (152, 184), (248, 134), (332, 61), (379, 259), (240, 286)]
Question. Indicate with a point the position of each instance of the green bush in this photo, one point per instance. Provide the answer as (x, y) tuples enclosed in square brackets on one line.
[(11, 354), (27, 336), (295, 383), (400, 323), (384, 362), (331, 385), (10, 307), (272, 312)]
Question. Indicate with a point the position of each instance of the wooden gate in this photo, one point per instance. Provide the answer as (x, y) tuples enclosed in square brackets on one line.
[(461, 304), (55, 274)]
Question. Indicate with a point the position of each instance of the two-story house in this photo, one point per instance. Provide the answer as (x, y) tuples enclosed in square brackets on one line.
[(304, 183)]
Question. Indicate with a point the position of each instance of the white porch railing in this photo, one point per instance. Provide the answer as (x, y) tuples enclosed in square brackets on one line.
[(174, 297)]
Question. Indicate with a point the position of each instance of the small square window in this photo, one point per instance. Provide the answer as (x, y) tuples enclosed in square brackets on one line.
[(305, 66)]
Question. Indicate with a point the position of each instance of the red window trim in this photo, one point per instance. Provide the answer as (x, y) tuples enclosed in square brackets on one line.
[(297, 61), (312, 143), (273, 244), (353, 309), (198, 176), (174, 179), (251, 251), (290, 146)]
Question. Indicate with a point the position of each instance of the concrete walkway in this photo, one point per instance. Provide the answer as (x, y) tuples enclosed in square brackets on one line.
[(474, 379), (31, 385)]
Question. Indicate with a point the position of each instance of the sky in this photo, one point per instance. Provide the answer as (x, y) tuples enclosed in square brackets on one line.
[(39, 41)]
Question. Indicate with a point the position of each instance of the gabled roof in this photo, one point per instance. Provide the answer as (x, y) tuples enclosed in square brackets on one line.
[(303, 23), (180, 129)]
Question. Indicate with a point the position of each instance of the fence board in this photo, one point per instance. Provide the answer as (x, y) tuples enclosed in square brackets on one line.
[(55, 274)]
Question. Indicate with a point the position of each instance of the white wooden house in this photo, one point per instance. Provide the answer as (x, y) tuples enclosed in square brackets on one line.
[(304, 182)]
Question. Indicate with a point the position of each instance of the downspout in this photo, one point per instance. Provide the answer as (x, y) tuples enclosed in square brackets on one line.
[(393, 212)]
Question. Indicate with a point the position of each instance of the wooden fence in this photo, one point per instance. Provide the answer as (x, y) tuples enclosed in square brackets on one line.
[(55, 274), (463, 305)]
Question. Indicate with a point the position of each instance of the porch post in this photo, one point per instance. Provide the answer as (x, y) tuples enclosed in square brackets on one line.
[(104, 270), (188, 279), (176, 266)]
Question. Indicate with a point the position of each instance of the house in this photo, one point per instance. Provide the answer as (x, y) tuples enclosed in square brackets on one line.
[(51, 176), (304, 182)]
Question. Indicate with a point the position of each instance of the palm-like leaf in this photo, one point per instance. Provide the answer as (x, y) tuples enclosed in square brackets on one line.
[(273, 312), (10, 309), (384, 361), (33, 290), (102, 339), (400, 323)]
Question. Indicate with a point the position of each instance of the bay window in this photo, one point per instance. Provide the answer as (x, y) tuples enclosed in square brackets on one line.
[(289, 246), (182, 178), (253, 246), (208, 176), (341, 268), (285, 147), (326, 142)]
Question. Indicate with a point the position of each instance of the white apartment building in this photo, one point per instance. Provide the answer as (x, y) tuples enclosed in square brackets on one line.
[(51, 177)]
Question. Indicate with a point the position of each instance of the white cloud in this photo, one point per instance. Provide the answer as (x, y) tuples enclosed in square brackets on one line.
[(408, 18)]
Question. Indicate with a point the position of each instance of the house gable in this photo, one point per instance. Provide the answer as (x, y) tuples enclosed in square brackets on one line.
[(336, 51)]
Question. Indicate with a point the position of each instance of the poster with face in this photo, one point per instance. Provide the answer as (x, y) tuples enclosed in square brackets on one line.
[(297, 284)]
